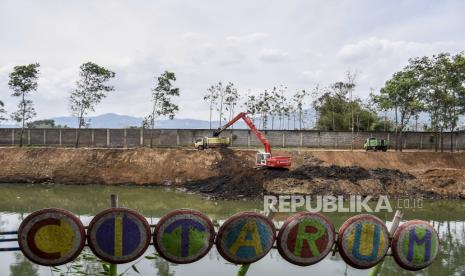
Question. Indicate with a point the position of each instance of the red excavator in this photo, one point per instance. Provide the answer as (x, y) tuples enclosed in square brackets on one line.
[(264, 159)]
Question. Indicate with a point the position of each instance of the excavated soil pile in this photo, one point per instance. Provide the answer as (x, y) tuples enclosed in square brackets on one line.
[(230, 174), (253, 183)]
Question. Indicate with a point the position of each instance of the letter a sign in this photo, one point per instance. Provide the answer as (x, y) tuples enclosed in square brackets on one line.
[(245, 238)]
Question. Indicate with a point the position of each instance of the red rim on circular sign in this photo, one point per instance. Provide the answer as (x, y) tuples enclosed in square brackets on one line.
[(51, 237), (415, 245), (306, 238), (118, 235), (363, 241), (245, 238), (184, 236)]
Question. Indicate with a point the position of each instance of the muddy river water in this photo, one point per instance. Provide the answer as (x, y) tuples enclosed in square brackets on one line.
[(18, 200)]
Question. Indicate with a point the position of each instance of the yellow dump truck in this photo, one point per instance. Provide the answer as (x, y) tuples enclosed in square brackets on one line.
[(211, 142)]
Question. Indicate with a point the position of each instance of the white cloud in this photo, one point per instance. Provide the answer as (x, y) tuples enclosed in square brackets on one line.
[(376, 48), (252, 37), (297, 43), (273, 55)]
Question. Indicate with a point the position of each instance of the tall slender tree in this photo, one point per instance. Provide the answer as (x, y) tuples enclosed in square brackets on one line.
[(211, 97), (23, 81), (162, 100), (298, 99), (231, 99), (91, 89), (2, 112)]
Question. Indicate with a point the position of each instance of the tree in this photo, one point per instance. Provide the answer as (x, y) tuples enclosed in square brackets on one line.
[(332, 113), (211, 97), (90, 90), (251, 106), (264, 107), (442, 79), (298, 100), (162, 100), (231, 99), (2, 112), (402, 93), (23, 81), (42, 124)]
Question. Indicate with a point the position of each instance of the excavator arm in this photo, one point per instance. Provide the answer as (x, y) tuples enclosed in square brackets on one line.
[(252, 127)]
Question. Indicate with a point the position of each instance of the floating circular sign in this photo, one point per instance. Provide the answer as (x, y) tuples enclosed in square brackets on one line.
[(415, 245), (306, 238), (118, 235), (184, 236), (245, 238), (51, 237), (363, 241)]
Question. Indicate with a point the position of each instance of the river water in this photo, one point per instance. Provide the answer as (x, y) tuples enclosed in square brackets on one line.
[(18, 200)]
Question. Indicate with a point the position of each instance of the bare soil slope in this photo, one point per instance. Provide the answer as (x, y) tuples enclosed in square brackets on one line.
[(231, 174)]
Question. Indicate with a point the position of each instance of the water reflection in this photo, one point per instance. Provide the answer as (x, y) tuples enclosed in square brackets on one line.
[(22, 266), (163, 267), (16, 201)]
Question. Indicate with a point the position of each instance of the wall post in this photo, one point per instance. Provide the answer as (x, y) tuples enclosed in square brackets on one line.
[(141, 137), (108, 137), (284, 143), (125, 140), (28, 136), (301, 139), (59, 134), (13, 136), (92, 136), (45, 137)]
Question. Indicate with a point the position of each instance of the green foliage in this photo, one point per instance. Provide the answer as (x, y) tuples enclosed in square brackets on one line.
[(162, 99), (435, 85), (91, 88), (2, 112), (334, 112), (222, 98), (23, 81), (42, 124)]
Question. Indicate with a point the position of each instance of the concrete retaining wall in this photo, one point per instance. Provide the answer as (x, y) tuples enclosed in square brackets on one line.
[(115, 138)]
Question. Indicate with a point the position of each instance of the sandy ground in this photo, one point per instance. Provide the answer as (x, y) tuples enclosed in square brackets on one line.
[(231, 174)]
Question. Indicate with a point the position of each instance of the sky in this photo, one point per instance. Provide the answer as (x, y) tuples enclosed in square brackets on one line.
[(254, 44)]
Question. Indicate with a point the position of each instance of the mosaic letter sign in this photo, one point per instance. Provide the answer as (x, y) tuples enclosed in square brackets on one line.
[(51, 237), (415, 245), (245, 238), (306, 238), (184, 236), (118, 235), (363, 241)]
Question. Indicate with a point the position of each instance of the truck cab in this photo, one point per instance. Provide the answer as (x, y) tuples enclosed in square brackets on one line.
[(376, 144)]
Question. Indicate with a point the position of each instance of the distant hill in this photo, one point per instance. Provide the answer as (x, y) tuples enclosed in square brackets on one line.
[(112, 120)]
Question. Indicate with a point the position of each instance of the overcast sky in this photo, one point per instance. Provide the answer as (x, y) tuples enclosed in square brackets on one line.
[(255, 44)]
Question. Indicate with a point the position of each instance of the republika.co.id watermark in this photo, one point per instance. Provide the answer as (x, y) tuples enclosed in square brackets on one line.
[(341, 204)]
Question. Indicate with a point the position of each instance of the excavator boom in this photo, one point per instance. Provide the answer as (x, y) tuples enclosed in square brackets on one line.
[(263, 159)]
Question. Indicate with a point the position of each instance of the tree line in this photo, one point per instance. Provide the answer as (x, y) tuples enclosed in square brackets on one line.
[(433, 86), (90, 89)]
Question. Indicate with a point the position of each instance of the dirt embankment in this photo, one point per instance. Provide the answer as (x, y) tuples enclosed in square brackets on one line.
[(231, 174)]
